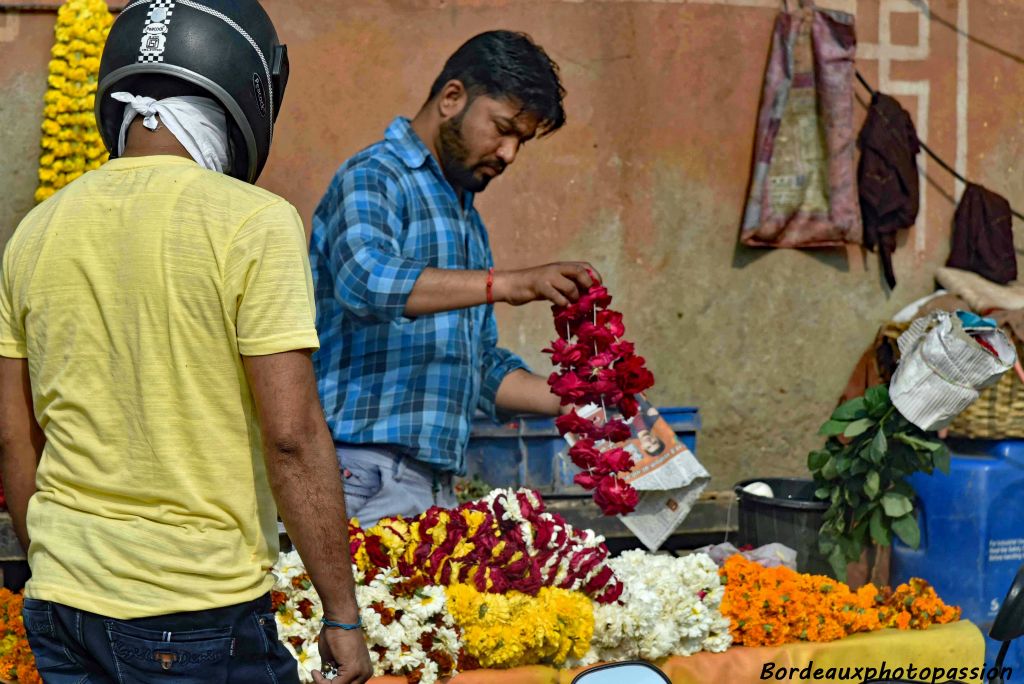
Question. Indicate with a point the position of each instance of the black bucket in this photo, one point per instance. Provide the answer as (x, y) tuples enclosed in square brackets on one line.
[(792, 517)]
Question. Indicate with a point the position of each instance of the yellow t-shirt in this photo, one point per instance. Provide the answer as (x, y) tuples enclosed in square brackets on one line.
[(133, 293)]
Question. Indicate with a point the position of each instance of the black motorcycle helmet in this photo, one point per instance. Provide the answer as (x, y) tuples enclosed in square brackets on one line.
[(224, 49)]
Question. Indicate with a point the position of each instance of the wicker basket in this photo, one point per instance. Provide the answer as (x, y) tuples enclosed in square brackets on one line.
[(999, 411)]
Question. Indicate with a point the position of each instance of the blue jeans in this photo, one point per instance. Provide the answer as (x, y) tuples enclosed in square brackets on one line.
[(381, 483), (232, 644)]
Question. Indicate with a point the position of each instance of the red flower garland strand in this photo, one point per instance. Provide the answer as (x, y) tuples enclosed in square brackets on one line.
[(598, 367)]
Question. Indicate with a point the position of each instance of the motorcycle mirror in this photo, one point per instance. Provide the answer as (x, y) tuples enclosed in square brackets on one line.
[(1009, 622), (634, 672)]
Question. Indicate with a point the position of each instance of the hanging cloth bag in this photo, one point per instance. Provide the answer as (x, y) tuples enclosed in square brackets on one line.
[(803, 191)]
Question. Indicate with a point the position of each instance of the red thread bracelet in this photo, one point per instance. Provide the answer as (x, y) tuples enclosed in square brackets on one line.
[(490, 285)]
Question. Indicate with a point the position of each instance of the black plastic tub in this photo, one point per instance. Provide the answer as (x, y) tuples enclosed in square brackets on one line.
[(792, 517)]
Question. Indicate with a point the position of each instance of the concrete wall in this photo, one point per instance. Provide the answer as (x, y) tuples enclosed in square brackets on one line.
[(648, 179)]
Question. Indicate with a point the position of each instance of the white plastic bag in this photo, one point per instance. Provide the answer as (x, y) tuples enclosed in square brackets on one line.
[(942, 368)]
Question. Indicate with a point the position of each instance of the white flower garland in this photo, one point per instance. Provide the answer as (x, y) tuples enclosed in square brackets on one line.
[(671, 606), (414, 617)]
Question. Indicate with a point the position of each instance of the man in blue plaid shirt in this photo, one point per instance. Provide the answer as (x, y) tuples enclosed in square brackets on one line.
[(405, 281)]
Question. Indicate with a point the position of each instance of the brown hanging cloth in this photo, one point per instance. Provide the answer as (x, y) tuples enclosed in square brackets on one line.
[(887, 177), (983, 236)]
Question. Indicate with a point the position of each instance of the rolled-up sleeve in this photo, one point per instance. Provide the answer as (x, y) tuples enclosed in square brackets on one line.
[(495, 365), (361, 221)]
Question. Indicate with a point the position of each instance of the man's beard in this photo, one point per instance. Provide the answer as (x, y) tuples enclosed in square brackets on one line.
[(453, 153)]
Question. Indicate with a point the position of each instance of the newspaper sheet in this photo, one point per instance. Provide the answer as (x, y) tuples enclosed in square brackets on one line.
[(666, 474)]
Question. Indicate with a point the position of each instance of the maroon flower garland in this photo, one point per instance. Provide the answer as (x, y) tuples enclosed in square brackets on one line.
[(598, 367)]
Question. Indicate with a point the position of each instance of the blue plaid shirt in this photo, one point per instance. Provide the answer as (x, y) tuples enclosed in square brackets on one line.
[(386, 379)]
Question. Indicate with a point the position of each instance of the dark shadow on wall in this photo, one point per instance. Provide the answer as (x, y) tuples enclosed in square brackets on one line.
[(836, 258)]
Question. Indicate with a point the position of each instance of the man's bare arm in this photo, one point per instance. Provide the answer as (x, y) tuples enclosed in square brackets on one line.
[(21, 442), (446, 290)]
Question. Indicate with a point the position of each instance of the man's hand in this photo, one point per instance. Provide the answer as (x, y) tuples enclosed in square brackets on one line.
[(346, 652), (559, 283)]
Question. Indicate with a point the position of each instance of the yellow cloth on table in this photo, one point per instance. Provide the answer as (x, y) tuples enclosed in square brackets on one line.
[(951, 647)]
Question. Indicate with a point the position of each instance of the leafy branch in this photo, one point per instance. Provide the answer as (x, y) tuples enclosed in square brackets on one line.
[(871, 449)]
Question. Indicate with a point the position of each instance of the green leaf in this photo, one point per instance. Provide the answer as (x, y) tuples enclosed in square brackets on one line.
[(859, 467), (907, 529), (825, 544), (879, 533), (828, 471), (851, 547), (851, 410), (919, 444), (837, 559), (860, 533), (904, 488), (816, 459), (941, 458), (879, 446), (858, 427), (843, 463), (839, 524), (832, 428), (852, 497), (822, 493), (860, 513), (896, 505), (871, 482), (877, 400)]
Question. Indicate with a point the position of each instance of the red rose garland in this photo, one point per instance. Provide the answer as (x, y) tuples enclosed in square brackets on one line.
[(598, 367)]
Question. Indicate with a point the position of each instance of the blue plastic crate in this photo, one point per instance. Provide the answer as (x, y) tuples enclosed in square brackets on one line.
[(527, 452), (972, 532)]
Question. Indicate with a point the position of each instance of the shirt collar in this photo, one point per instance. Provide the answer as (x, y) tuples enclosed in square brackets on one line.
[(406, 144), (413, 152)]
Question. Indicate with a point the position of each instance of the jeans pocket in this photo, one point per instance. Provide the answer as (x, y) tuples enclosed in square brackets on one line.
[(260, 656), (37, 617), (366, 480), (50, 653), (192, 657)]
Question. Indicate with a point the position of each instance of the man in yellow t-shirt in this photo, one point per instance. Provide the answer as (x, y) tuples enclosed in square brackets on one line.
[(156, 326)]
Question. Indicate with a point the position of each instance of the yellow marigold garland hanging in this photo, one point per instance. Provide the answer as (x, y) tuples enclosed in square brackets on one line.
[(71, 142)]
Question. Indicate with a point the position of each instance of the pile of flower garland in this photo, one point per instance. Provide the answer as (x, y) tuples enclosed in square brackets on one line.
[(71, 142), (597, 366), (519, 586), (771, 606), (16, 661), (503, 542), (448, 591)]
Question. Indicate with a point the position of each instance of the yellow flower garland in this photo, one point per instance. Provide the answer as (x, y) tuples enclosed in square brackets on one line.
[(513, 629), (71, 141)]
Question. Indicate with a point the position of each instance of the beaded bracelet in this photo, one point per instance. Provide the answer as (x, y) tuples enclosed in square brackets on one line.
[(341, 625)]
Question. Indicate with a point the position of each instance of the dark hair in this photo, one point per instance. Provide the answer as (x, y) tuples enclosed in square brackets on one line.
[(508, 64)]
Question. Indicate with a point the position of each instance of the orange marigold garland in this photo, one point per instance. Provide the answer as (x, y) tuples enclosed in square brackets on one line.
[(771, 606)]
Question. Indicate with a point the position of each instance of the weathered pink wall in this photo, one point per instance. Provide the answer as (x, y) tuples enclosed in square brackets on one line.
[(648, 179)]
